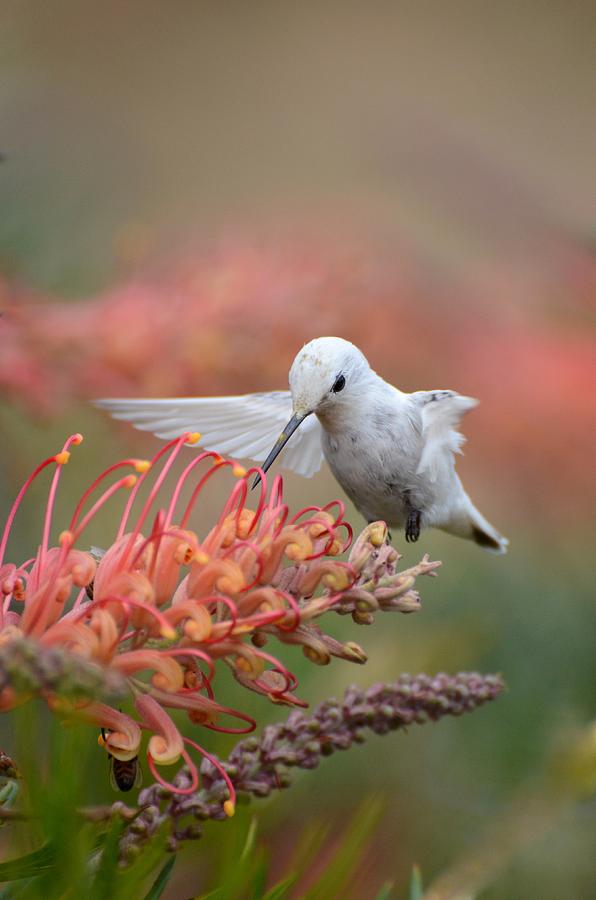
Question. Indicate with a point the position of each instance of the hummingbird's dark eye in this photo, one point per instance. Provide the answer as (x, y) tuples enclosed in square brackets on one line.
[(340, 383)]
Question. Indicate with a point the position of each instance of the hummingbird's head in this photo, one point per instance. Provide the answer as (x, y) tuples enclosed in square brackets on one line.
[(325, 372)]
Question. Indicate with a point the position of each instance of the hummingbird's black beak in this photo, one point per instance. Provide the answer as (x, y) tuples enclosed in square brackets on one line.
[(280, 443)]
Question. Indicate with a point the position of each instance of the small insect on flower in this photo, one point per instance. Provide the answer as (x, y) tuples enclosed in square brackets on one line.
[(125, 774)]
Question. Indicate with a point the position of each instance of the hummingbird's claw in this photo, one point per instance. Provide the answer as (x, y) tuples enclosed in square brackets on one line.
[(413, 526)]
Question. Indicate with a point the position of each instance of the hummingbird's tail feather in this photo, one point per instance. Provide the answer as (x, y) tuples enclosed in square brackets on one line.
[(468, 522), (485, 534)]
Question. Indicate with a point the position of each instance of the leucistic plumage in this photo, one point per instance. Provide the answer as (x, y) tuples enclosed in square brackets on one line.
[(392, 452)]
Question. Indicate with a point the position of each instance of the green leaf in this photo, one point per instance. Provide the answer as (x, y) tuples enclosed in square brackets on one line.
[(107, 870), (30, 864), (385, 891), (159, 885), (340, 869), (259, 874), (251, 839), (416, 889), (12, 891), (280, 890)]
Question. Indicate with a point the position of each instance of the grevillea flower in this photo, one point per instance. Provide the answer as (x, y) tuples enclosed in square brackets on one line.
[(162, 606)]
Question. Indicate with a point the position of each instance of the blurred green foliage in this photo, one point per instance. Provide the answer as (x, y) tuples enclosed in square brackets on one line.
[(463, 138)]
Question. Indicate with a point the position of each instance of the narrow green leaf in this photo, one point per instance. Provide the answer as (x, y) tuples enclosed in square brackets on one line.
[(30, 864), (107, 871), (12, 891), (340, 869), (416, 889), (251, 838), (280, 890), (259, 875), (313, 838), (385, 891), (159, 885)]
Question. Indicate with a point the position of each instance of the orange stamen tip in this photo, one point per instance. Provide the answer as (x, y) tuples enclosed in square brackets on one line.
[(77, 439), (194, 437), (100, 740), (168, 633), (141, 465), (65, 538), (62, 457), (239, 471), (229, 808), (130, 481)]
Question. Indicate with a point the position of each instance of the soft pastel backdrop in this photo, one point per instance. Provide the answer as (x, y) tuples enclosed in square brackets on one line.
[(190, 191)]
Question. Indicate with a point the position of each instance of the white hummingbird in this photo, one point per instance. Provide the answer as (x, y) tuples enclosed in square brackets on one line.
[(392, 452)]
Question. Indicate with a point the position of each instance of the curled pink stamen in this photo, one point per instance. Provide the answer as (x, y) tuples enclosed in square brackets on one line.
[(166, 629), (231, 606), (198, 654), (168, 785), (216, 763)]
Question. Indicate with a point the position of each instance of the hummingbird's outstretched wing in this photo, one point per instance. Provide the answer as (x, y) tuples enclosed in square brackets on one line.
[(243, 427), (441, 413)]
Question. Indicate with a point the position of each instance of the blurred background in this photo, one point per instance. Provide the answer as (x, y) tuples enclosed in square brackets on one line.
[(190, 191)]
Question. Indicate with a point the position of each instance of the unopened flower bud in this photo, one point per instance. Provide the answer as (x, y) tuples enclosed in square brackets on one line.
[(362, 618)]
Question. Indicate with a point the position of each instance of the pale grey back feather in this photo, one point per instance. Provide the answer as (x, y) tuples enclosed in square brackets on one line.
[(243, 427)]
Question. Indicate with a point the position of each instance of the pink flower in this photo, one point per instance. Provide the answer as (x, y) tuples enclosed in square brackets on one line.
[(163, 606)]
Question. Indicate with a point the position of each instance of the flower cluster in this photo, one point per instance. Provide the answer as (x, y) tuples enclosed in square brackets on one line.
[(161, 606), (258, 766)]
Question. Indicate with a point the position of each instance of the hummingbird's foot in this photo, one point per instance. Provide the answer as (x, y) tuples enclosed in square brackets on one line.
[(413, 525)]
